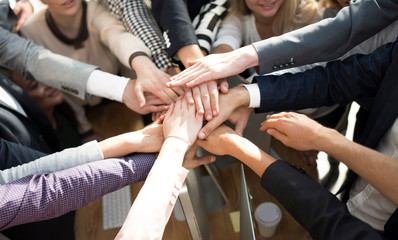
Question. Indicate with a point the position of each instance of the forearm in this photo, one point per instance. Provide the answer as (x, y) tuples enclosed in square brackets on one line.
[(320, 86), (122, 144), (223, 48), (311, 44), (153, 206), (206, 27), (189, 53), (136, 18), (376, 168), (174, 21), (54, 162), (315, 208), (46, 196), (249, 154)]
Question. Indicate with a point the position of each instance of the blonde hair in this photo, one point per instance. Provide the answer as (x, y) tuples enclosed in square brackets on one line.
[(292, 14)]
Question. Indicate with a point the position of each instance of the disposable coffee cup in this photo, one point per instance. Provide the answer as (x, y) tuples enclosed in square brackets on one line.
[(267, 215)]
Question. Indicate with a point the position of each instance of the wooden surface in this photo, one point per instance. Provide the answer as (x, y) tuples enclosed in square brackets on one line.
[(107, 120), (115, 118)]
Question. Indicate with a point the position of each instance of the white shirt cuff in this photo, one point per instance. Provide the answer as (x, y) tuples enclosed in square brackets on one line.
[(106, 85), (255, 96)]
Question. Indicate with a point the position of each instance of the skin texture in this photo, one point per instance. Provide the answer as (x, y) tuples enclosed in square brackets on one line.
[(216, 66), (23, 9), (376, 168)]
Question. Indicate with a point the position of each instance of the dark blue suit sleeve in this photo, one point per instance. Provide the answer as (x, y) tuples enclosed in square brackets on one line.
[(316, 209), (175, 22), (340, 82), (14, 154)]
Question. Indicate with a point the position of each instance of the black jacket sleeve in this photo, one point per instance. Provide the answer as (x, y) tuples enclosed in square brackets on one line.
[(316, 209)]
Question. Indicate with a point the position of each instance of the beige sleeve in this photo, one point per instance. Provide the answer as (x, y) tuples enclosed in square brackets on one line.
[(113, 35)]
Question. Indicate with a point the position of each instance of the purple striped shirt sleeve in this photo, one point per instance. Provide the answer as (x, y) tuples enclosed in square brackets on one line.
[(48, 195)]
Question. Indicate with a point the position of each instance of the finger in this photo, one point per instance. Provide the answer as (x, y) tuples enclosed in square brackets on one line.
[(179, 90), (224, 86), (204, 92), (198, 161), (188, 96), (170, 111), (209, 127), (171, 94), (198, 100), (269, 123), (153, 108), (240, 126), (278, 135), (213, 91), (140, 95)]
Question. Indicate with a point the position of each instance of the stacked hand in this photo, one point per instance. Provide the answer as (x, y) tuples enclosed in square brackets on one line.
[(294, 130)]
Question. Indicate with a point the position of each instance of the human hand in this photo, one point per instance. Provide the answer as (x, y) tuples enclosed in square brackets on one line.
[(294, 130), (239, 119), (152, 80), (237, 97), (192, 161), (219, 141), (23, 9), (151, 137), (153, 103), (182, 121), (215, 66), (309, 157)]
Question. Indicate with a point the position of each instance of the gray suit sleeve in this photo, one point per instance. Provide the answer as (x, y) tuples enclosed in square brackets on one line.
[(327, 39), (65, 159), (19, 54)]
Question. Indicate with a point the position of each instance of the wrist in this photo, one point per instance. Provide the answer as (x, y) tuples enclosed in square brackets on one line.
[(174, 148), (139, 60), (240, 96), (325, 139), (249, 55)]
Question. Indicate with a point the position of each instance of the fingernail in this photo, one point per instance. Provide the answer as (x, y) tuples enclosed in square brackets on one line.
[(214, 113), (213, 158), (209, 117), (201, 135)]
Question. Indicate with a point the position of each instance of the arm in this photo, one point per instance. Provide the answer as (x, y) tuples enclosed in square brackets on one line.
[(44, 196), (376, 168), (152, 208), (34, 61), (321, 213), (174, 20), (339, 82), (208, 21), (348, 23), (120, 42), (148, 139), (230, 34), (306, 45), (133, 53), (137, 19), (23, 9)]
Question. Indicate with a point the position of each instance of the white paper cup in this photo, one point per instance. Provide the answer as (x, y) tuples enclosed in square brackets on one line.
[(267, 215)]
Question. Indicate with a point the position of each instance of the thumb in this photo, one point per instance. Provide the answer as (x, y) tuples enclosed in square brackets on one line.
[(276, 134), (240, 127), (198, 161), (140, 95)]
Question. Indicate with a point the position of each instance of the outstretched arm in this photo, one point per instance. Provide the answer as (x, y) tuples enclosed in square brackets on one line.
[(149, 139), (152, 208), (376, 168), (49, 195), (320, 212), (300, 47)]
